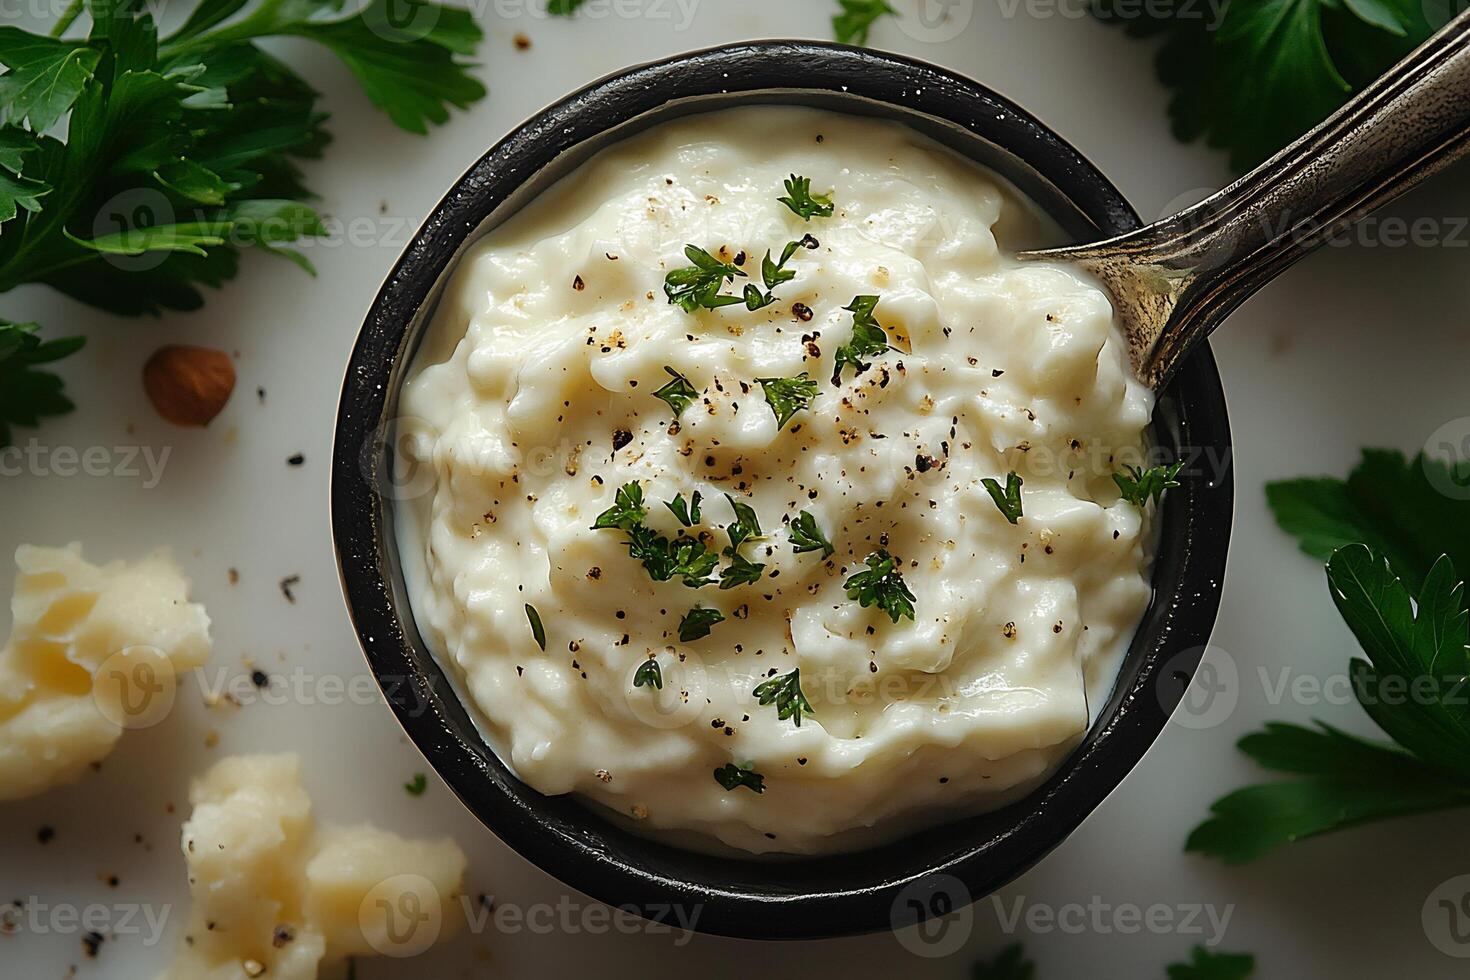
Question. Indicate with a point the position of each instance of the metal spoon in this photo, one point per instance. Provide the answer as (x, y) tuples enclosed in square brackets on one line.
[(1175, 280)]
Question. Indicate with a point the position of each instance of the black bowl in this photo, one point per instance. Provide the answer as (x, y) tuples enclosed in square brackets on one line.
[(929, 872)]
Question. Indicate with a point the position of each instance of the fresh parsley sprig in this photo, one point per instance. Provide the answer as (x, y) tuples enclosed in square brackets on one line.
[(677, 393), (803, 203), (1406, 606), (1008, 498), (869, 339), (786, 694), (184, 147), (684, 558), (787, 396), (1139, 486), (732, 777), (806, 535), (698, 286), (745, 527), (882, 585)]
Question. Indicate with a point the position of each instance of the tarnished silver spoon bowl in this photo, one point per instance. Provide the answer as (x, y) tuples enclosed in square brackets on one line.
[(1177, 279)]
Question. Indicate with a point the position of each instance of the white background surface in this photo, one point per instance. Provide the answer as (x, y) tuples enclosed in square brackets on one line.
[(1363, 345)]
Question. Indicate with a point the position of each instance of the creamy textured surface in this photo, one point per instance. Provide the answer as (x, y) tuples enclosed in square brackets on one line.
[(93, 650), (275, 897), (553, 336)]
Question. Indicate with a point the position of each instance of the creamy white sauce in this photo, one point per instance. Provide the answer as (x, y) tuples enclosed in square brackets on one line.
[(553, 335)]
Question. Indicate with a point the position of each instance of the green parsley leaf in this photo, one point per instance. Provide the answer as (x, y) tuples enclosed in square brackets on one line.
[(851, 26), (697, 623), (679, 394), (786, 694), (1009, 964), (806, 535), (740, 571), (698, 286), (627, 510), (775, 273), (803, 203), (882, 585), (747, 525), (649, 674), (44, 77), (1257, 75), (537, 630), (26, 394), (1009, 498), (732, 777), (563, 8), (1404, 645), (869, 339), (18, 192), (416, 785), (1392, 504), (787, 396), (686, 513), (1139, 486), (1342, 781), (1346, 780), (1205, 965)]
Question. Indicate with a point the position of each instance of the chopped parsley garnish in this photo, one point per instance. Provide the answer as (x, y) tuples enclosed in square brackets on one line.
[(775, 273), (698, 286), (740, 571), (869, 339), (697, 623), (857, 16), (537, 630), (687, 512), (1008, 499), (627, 510), (678, 393), (1206, 965), (802, 202), (806, 535), (416, 785), (787, 396), (882, 585), (649, 674), (1138, 486), (684, 557), (1009, 964), (732, 777), (785, 692), (746, 527)]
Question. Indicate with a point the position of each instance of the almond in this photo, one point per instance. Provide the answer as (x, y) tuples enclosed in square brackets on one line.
[(188, 385)]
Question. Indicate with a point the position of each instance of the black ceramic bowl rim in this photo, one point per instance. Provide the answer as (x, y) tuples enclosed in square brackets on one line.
[(886, 887)]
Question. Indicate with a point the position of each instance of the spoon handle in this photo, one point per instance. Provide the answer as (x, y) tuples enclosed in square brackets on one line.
[(1175, 280)]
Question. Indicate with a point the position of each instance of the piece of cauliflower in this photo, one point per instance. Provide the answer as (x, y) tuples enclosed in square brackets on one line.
[(274, 897), (93, 650)]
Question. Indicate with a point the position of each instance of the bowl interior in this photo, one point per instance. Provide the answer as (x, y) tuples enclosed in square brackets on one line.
[(884, 887)]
